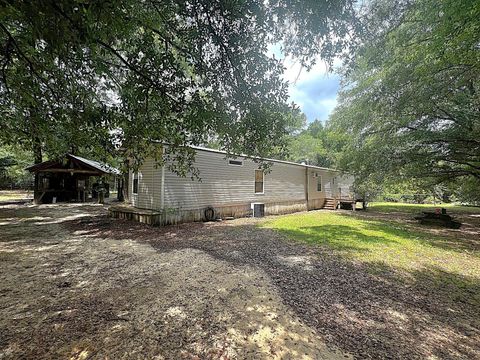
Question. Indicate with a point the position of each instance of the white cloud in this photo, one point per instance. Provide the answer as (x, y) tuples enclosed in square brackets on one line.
[(315, 91)]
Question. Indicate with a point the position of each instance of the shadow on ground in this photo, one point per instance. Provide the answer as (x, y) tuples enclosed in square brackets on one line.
[(73, 286), (465, 238), (371, 314)]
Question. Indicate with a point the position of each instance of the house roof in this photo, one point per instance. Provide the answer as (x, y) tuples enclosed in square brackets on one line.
[(97, 165), (266, 159), (93, 167), (201, 148)]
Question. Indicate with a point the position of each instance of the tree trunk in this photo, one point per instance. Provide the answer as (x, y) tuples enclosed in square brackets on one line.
[(125, 187), (125, 184), (37, 157), (120, 191)]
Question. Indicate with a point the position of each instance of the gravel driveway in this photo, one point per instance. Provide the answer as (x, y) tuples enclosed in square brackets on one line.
[(77, 284)]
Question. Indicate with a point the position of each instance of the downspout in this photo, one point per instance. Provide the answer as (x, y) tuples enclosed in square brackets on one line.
[(308, 186), (162, 181)]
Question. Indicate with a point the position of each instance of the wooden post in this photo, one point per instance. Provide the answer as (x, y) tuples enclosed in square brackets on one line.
[(36, 189)]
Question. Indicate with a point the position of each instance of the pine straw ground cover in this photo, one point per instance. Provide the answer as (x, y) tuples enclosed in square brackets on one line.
[(308, 285)]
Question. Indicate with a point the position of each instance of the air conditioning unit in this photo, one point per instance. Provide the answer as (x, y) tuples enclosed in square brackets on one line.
[(258, 209)]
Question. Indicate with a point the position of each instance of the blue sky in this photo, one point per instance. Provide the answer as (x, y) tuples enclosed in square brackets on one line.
[(314, 91), (316, 94)]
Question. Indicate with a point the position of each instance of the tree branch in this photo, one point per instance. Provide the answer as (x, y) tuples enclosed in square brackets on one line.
[(29, 62)]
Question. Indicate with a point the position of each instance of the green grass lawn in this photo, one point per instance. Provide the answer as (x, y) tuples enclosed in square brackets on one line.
[(414, 208), (389, 245)]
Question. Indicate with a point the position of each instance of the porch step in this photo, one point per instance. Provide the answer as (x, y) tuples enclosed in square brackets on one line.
[(329, 204)]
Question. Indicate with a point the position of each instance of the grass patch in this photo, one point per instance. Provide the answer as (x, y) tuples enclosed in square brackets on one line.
[(389, 207), (11, 195), (381, 242)]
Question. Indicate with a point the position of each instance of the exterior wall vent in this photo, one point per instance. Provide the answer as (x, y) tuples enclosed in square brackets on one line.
[(235, 162)]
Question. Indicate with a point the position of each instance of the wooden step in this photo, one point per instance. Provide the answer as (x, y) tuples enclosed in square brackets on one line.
[(329, 204)]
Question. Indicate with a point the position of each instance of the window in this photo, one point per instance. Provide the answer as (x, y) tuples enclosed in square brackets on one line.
[(319, 183), (45, 183), (135, 183), (235, 162), (258, 181)]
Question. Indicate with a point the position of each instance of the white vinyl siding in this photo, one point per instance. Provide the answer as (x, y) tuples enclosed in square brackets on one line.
[(148, 196), (320, 177), (223, 184)]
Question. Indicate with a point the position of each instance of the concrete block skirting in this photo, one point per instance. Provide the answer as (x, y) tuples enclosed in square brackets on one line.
[(176, 216)]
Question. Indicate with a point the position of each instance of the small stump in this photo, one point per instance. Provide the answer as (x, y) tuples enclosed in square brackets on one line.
[(438, 218)]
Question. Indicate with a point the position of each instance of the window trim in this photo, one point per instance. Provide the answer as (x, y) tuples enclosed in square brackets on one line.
[(255, 182), (319, 177), (235, 160), (135, 177)]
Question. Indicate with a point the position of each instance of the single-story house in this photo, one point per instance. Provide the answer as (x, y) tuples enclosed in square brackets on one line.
[(231, 187), (68, 178)]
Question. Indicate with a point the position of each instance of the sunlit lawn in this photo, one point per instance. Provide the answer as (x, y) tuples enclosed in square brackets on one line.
[(382, 245), (414, 208), (11, 195)]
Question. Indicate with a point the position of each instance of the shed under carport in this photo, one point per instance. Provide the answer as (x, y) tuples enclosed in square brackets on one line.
[(67, 179)]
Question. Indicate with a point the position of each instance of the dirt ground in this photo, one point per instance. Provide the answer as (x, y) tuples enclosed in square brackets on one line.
[(67, 293), (76, 284)]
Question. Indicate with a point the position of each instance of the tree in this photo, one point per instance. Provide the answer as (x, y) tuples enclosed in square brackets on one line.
[(410, 104), (316, 145), (130, 72), (6, 162), (12, 164)]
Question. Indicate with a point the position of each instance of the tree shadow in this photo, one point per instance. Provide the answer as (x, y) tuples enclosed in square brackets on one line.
[(447, 239), (382, 313)]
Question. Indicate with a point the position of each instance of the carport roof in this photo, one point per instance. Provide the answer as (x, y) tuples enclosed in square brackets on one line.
[(89, 166)]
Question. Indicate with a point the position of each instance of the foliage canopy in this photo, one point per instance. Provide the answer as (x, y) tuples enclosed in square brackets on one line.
[(410, 105), (95, 75)]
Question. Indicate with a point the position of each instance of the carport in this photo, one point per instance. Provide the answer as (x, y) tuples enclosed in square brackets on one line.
[(69, 179)]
